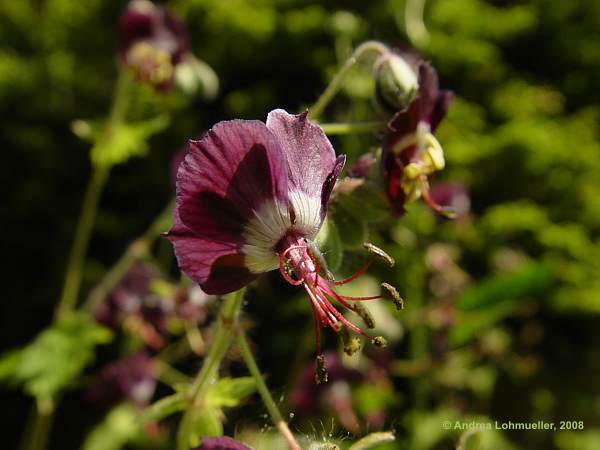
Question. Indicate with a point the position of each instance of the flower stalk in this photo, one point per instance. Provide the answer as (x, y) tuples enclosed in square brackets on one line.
[(222, 338), (87, 218), (263, 390), (352, 127), (366, 47)]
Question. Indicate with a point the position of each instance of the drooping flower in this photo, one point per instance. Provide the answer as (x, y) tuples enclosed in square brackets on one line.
[(131, 378), (153, 42), (251, 198), (411, 153)]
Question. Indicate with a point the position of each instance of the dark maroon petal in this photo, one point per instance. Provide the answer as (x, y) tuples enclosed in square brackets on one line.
[(217, 266), (330, 183), (221, 443), (404, 122), (309, 154), (135, 25), (428, 90), (440, 108), (227, 175)]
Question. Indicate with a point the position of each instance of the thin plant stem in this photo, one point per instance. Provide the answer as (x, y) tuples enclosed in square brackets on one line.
[(334, 86), (415, 25), (85, 224), (38, 427), (87, 217), (221, 341), (351, 128), (263, 390), (135, 251)]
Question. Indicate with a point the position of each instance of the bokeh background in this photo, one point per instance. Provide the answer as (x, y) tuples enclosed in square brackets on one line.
[(502, 317)]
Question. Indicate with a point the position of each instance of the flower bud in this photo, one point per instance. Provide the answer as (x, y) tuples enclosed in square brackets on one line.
[(395, 82)]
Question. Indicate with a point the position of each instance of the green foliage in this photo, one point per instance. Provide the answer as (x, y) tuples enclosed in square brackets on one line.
[(126, 140), (329, 241), (164, 407), (54, 360), (229, 392), (117, 429), (207, 419)]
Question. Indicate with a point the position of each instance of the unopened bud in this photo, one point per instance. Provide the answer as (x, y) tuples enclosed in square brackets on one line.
[(321, 375), (395, 82), (379, 341), (374, 250), (393, 293)]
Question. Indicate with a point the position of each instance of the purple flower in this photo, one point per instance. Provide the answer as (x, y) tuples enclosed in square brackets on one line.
[(251, 198), (133, 305), (191, 303), (130, 378), (127, 297), (452, 195), (153, 42), (221, 443), (411, 152)]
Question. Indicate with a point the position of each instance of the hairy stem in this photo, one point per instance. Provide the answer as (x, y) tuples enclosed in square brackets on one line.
[(350, 128), (222, 339), (334, 86), (263, 390), (136, 250)]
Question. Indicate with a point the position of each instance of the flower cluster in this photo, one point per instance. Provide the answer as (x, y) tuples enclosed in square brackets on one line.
[(153, 42), (138, 306)]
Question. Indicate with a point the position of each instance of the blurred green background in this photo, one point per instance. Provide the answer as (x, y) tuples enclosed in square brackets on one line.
[(502, 315)]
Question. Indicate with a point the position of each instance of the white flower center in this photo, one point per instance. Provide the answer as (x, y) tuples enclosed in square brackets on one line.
[(272, 222)]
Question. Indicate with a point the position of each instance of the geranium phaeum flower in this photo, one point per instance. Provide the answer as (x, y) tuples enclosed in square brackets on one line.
[(153, 42), (251, 198), (411, 152)]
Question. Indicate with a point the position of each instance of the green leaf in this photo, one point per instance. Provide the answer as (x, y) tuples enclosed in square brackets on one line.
[(532, 279), (164, 407), (366, 203), (489, 301), (117, 429), (352, 231), (56, 357), (328, 241), (206, 421), (229, 392), (125, 141)]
